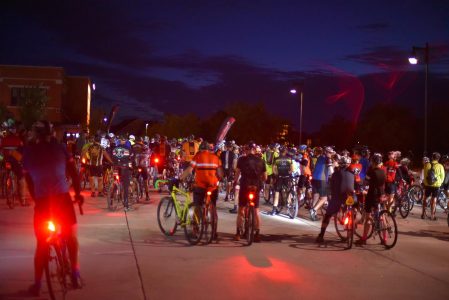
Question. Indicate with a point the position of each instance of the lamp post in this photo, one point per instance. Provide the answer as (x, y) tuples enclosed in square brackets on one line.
[(414, 60), (294, 91), (146, 129)]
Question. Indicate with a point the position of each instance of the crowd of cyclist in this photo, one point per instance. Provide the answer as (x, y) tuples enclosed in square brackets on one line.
[(321, 173)]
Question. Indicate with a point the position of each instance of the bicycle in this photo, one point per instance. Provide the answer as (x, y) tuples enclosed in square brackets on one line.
[(250, 216), (10, 186), (172, 213), (210, 217), (57, 266), (115, 191), (288, 198), (383, 224), (402, 200), (344, 221)]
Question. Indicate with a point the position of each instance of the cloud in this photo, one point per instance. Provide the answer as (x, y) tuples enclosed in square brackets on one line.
[(384, 57)]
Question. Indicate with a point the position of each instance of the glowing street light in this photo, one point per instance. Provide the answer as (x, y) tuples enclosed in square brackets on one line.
[(414, 60), (146, 129), (301, 97)]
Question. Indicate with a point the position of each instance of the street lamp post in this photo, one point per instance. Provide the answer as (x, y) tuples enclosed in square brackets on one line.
[(414, 60), (301, 98), (146, 129)]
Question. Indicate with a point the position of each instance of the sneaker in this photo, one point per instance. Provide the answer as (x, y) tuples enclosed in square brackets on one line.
[(100, 195), (274, 211), (147, 198), (128, 209), (93, 194), (434, 218), (319, 239), (237, 237), (360, 242), (226, 199), (313, 216), (422, 216), (34, 290), (234, 210)]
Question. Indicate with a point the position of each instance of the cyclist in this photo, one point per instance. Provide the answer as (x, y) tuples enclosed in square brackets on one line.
[(235, 150), (142, 160), (393, 173), (270, 154), (432, 184), (375, 178), (122, 155), (253, 173), (228, 162), (95, 154), (320, 178), (11, 146), (342, 185), (45, 164), (364, 161), (282, 170), (188, 150), (208, 172)]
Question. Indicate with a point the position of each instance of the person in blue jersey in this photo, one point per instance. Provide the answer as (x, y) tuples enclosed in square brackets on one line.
[(320, 179), (365, 162), (46, 163)]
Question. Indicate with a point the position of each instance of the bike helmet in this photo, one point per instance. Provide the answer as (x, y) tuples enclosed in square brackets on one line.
[(302, 148), (251, 145), (204, 145), (377, 158), (344, 161)]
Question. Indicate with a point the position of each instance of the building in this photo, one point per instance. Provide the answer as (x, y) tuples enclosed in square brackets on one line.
[(69, 97)]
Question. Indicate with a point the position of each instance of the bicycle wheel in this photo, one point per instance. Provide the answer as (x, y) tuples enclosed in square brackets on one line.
[(267, 194), (442, 199), (193, 229), (293, 207), (209, 222), (55, 273), (359, 222), (388, 229), (349, 228), (250, 223), (415, 193), (339, 223), (166, 216), (404, 206), (10, 192)]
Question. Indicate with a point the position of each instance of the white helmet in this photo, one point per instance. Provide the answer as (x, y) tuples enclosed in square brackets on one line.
[(132, 137)]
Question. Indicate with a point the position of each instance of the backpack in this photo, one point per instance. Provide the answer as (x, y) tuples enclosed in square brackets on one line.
[(431, 177), (269, 155)]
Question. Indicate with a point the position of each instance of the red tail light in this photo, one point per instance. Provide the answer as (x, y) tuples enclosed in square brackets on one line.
[(251, 196), (347, 220), (156, 160), (83, 160), (8, 166), (140, 170), (209, 193), (179, 157), (51, 226), (117, 177)]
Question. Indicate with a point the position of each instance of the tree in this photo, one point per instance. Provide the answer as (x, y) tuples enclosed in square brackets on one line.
[(32, 106), (338, 132)]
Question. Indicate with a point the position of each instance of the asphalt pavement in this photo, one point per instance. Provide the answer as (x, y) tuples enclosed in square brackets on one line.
[(125, 256)]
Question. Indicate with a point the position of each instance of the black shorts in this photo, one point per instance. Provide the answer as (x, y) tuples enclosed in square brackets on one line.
[(303, 182), (320, 187), (96, 171), (59, 209), (430, 191), (228, 174), (243, 197), (390, 188), (199, 195), (280, 182)]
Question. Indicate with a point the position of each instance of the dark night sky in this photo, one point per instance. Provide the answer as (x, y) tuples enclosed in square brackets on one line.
[(154, 57)]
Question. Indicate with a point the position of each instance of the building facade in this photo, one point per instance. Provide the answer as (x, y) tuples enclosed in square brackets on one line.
[(69, 97)]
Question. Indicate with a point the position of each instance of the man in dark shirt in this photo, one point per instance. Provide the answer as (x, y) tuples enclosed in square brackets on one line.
[(282, 170), (121, 155), (342, 184), (253, 172), (376, 178), (227, 162), (45, 163)]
